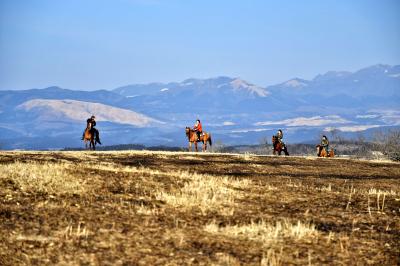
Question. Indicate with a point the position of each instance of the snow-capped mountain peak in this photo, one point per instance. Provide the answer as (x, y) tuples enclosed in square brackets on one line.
[(239, 84), (295, 83), (330, 75)]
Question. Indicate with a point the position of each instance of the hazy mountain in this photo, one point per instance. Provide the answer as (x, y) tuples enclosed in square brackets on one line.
[(13, 98), (378, 80), (234, 110), (78, 111), (197, 87)]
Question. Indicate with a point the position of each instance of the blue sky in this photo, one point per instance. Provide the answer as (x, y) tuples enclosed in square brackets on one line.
[(99, 44)]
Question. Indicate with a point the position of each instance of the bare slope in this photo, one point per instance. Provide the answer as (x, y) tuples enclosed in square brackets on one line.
[(147, 208), (77, 111)]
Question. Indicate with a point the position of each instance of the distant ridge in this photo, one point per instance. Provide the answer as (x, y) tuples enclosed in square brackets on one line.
[(235, 111)]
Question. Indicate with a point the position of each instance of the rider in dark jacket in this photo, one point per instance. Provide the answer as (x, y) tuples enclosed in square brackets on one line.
[(325, 143), (91, 123)]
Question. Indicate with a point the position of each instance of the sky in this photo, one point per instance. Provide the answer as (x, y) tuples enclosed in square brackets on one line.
[(104, 44)]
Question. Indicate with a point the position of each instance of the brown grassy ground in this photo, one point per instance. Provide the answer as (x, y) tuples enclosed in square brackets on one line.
[(149, 208)]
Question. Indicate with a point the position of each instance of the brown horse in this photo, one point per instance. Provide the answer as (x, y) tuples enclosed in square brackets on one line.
[(321, 152), (89, 139), (192, 138), (277, 147)]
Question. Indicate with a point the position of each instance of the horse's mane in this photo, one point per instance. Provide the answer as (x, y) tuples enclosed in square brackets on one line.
[(188, 130)]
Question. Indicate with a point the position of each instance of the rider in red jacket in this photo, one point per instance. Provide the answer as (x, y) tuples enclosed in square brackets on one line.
[(198, 128)]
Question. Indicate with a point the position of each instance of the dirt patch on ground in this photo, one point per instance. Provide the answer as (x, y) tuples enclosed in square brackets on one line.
[(147, 208)]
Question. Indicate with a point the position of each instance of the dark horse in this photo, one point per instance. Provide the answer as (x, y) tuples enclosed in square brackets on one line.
[(278, 147), (321, 152), (89, 138), (192, 138)]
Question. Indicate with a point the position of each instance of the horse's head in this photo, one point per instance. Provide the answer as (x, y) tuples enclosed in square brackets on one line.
[(276, 144), (187, 130)]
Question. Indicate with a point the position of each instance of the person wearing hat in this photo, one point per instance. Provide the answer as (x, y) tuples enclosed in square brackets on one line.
[(91, 123), (324, 145), (279, 136)]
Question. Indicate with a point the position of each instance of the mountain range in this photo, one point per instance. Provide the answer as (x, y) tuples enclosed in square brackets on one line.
[(235, 111)]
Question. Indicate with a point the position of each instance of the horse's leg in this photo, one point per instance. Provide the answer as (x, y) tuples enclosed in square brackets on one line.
[(190, 147), (195, 145)]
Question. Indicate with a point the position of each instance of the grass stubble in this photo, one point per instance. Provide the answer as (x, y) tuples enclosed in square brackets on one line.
[(146, 208)]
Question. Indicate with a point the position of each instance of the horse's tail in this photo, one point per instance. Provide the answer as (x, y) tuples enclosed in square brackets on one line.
[(209, 139)]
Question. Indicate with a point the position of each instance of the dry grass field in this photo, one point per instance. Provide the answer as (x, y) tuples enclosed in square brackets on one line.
[(160, 208)]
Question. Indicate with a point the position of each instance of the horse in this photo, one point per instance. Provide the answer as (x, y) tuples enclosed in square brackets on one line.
[(278, 147), (89, 139), (192, 138), (321, 152)]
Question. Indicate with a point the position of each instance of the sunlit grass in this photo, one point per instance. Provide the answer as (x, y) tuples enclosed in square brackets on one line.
[(43, 177), (265, 232), (206, 193)]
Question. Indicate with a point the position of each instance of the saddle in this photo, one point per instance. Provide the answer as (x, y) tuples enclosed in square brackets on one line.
[(200, 135)]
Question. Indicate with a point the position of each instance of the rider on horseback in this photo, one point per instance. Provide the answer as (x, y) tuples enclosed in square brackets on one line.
[(279, 136), (278, 144), (198, 128), (324, 145), (90, 124)]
